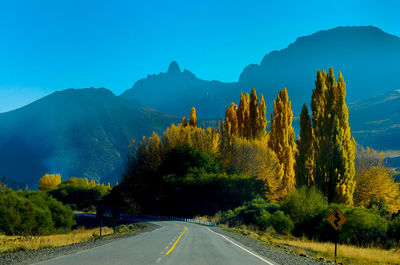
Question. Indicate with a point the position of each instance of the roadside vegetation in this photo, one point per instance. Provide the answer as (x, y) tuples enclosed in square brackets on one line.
[(79, 235)]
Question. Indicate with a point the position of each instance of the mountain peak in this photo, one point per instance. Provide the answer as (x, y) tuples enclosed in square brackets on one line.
[(174, 67)]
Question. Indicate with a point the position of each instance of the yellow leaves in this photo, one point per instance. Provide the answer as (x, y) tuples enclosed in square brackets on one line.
[(253, 157), (205, 139), (249, 119), (92, 183), (373, 180), (193, 118), (282, 138), (49, 181)]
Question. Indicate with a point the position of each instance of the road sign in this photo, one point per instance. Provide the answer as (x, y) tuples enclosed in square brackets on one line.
[(336, 219)]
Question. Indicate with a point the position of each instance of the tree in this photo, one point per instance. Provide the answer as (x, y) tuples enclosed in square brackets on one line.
[(373, 181), (254, 114), (305, 155), (254, 158), (184, 122), (262, 124), (282, 138), (334, 148), (49, 181), (243, 116), (193, 117)]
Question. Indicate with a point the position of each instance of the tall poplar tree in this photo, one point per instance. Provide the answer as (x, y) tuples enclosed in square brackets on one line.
[(262, 124), (282, 138), (333, 145), (254, 114), (193, 118), (305, 155)]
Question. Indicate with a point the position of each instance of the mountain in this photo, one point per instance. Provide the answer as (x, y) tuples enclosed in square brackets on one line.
[(376, 122), (367, 57), (175, 92), (75, 132)]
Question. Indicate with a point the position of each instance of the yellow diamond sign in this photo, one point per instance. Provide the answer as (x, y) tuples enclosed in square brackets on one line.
[(336, 219)]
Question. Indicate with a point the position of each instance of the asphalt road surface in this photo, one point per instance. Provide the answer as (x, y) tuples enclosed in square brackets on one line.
[(173, 243)]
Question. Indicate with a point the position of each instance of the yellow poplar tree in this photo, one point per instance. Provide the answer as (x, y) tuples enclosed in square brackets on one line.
[(184, 122), (282, 138), (254, 114), (193, 117), (262, 124)]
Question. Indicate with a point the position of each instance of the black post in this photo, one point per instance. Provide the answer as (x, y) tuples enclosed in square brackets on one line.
[(100, 214), (101, 223), (336, 241)]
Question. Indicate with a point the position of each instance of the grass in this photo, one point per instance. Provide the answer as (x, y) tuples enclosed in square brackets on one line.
[(18, 243), (347, 254)]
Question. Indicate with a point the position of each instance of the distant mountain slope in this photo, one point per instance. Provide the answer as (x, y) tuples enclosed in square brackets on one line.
[(77, 132), (176, 92), (367, 57), (376, 122)]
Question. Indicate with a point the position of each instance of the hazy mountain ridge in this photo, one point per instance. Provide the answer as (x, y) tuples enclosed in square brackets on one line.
[(175, 92), (366, 56), (82, 133)]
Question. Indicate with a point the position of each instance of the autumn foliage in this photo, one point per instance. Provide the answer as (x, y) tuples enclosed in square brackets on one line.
[(49, 181)]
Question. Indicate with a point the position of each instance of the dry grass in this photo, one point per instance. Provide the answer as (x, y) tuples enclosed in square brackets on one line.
[(346, 253), (15, 243)]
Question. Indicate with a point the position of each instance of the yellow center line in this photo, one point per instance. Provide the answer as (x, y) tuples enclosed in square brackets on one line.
[(176, 242)]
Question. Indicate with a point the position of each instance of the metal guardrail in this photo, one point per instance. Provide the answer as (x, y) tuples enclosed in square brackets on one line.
[(187, 220), (154, 217)]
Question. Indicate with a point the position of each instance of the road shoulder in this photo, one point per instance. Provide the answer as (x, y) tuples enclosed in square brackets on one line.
[(38, 255), (279, 256)]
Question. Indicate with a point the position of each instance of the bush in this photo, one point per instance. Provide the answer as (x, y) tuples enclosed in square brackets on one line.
[(303, 204), (363, 227), (80, 194), (281, 222), (33, 213), (305, 207), (394, 228)]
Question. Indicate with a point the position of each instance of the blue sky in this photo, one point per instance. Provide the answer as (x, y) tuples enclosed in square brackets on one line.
[(55, 45)]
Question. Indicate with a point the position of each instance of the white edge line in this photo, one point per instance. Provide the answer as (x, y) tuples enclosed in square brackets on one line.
[(255, 255)]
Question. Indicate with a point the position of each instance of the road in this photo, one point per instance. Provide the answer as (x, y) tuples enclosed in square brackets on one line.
[(173, 243)]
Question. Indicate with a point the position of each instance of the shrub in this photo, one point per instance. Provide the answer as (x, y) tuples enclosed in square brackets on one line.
[(281, 222), (363, 226), (32, 213), (394, 228), (304, 206)]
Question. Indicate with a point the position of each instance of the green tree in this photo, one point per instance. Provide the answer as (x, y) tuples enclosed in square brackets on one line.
[(334, 148), (305, 155)]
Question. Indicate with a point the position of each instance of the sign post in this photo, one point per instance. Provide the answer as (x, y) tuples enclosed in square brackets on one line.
[(108, 212), (336, 219)]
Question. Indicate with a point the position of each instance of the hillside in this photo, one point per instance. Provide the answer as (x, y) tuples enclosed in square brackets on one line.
[(77, 132), (376, 122), (367, 56)]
